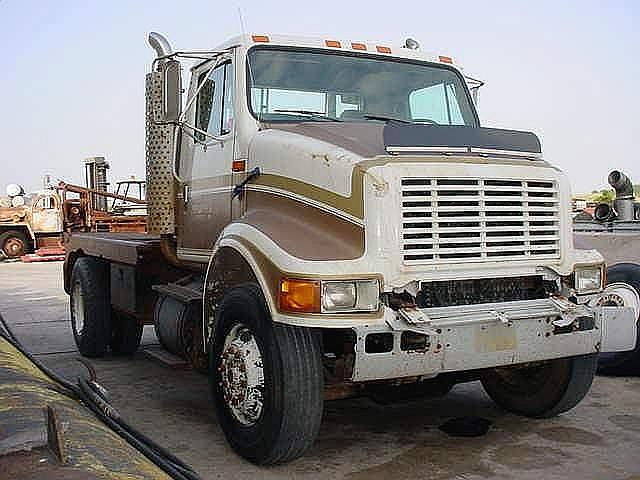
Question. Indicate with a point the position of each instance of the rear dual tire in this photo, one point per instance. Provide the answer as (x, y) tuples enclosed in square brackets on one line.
[(96, 327), (269, 414)]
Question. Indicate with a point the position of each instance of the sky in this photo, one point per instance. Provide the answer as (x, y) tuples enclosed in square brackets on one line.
[(72, 74)]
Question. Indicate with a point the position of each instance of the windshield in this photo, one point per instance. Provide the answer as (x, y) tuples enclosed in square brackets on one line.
[(295, 85)]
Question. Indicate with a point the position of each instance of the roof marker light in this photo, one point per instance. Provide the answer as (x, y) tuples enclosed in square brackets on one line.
[(382, 49), (332, 43), (358, 46), (445, 59), (260, 38)]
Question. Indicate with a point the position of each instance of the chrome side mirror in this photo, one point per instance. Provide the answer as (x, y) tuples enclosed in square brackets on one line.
[(172, 91)]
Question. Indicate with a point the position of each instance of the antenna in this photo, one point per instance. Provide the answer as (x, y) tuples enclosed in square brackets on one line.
[(242, 29), (244, 34)]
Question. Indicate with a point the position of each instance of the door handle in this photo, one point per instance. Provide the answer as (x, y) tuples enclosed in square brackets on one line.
[(186, 193), (238, 190)]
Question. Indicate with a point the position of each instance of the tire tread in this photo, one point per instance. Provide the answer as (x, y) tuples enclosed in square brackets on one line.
[(93, 276)]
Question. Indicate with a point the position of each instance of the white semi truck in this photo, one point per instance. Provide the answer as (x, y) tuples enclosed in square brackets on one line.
[(328, 217)]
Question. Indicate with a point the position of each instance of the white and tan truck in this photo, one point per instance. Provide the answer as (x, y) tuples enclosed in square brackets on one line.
[(327, 218)]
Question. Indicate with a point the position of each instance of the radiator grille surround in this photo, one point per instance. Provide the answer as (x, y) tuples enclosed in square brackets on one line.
[(454, 220)]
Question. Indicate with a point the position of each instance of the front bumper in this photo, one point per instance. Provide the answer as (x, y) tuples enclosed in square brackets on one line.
[(471, 337)]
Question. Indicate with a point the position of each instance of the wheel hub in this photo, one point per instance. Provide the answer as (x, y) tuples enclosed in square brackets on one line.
[(619, 295), (13, 247), (242, 375)]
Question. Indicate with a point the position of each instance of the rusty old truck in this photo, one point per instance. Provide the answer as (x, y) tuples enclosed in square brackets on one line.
[(30, 226), (328, 218)]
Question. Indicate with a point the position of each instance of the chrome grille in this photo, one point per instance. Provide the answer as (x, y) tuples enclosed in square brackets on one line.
[(448, 220)]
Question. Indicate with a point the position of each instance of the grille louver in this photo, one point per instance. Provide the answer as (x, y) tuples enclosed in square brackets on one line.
[(450, 220)]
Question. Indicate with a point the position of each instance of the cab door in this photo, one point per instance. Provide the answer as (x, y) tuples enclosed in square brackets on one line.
[(46, 214), (206, 175)]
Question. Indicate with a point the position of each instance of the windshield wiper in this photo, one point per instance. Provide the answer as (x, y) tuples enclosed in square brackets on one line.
[(384, 118), (310, 113)]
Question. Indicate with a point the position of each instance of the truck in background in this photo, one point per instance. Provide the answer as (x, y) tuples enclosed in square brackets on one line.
[(614, 230), (30, 222), (328, 218), (39, 220)]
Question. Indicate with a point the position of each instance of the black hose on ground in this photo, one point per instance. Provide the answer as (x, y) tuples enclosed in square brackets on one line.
[(99, 405)]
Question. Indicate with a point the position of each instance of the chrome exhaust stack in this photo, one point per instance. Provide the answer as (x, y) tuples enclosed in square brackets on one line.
[(160, 44)]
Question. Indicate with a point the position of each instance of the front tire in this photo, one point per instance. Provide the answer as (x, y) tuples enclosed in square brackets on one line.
[(544, 390), (90, 306), (13, 244), (266, 379)]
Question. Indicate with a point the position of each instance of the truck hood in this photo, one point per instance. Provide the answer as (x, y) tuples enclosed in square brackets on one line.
[(369, 139), (363, 139)]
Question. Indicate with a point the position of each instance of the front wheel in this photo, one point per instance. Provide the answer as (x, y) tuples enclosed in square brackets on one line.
[(266, 380), (543, 390), (13, 244)]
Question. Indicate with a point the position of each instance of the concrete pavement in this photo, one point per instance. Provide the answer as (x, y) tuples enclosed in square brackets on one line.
[(599, 439)]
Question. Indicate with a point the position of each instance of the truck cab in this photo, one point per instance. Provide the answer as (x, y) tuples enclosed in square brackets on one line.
[(31, 226), (335, 221)]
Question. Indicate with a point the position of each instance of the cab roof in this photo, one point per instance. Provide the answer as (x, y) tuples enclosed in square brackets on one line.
[(337, 44)]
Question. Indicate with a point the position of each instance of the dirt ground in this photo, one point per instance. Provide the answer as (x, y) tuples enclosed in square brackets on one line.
[(599, 439)]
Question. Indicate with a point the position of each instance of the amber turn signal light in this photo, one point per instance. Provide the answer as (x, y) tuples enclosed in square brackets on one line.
[(238, 165), (299, 296)]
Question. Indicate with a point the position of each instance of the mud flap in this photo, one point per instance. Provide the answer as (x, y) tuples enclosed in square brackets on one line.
[(619, 328)]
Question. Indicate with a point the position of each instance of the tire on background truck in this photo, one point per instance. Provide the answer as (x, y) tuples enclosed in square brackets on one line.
[(13, 243), (90, 306), (266, 379), (543, 390), (622, 363)]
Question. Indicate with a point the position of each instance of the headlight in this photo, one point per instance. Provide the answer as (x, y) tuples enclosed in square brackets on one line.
[(312, 296), (359, 296), (588, 279)]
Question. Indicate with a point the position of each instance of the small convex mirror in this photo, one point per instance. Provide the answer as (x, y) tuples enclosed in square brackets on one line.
[(172, 95)]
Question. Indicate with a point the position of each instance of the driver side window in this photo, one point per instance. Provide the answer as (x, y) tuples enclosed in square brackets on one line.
[(214, 105)]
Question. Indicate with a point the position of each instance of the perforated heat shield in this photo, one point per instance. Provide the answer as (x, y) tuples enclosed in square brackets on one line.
[(159, 162)]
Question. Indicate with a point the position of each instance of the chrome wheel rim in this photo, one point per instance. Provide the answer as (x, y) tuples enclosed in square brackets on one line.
[(242, 375), (78, 308)]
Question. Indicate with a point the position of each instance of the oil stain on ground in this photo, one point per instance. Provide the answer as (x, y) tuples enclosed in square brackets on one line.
[(570, 435), (627, 422), (434, 458), (523, 456)]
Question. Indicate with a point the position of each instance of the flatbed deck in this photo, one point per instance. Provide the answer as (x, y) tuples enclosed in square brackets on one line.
[(130, 248)]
